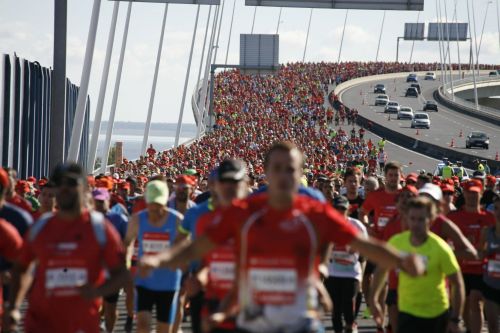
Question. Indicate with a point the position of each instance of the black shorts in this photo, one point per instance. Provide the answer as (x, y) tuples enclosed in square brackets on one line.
[(392, 297), (112, 299), (491, 294), (369, 268), (408, 323), (164, 301), (473, 282)]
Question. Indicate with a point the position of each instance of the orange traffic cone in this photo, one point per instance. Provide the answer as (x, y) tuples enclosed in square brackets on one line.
[(452, 143), (461, 134), (418, 133), (496, 157)]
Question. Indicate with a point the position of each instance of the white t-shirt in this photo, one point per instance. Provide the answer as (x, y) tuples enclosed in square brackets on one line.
[(343, 262)]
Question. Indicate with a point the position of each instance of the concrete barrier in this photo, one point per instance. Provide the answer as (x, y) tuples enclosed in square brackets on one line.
[(406, 141)]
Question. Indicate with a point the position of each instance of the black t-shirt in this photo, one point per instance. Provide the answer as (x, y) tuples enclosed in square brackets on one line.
[(354, 206)]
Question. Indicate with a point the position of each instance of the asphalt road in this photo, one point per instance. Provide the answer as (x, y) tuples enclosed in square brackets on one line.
[(446, 125)]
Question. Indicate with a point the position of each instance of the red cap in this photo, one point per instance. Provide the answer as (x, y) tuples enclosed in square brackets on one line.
[(124, 185), (4, 178), (186, 180), (436, 180), (42, 182), (473, 185), (412, 176), (491, 180), (32, 179), (104, 182), (447, 188), (91, 180), (410, 188)]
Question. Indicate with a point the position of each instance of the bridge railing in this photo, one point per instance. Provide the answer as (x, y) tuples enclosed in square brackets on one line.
[(444, 95)]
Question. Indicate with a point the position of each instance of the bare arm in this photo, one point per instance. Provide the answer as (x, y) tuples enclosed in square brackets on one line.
[(463, 248), (21, 280), (118, 278), (386, 256), (457, 294), (363, 217)]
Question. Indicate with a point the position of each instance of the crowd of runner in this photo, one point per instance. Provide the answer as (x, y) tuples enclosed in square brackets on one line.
[(255, 233)]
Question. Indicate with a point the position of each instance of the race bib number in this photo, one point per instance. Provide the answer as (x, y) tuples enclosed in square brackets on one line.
[(494, 268), (273, 286), (65, 278), (153, 243), (222, 271)]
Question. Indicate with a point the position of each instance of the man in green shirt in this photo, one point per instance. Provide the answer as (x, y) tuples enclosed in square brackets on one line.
[(423, 301)]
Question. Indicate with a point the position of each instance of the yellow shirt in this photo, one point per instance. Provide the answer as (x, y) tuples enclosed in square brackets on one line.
[(425, 296)]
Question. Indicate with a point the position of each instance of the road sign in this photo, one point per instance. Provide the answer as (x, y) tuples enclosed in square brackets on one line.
[(259, 54), (451, 28), (343, 4), (414, 31)]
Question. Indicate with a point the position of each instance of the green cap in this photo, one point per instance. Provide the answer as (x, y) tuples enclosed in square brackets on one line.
[(157, 192), (190, 172)]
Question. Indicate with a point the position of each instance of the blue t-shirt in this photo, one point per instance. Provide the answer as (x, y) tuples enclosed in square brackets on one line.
[(119, 221), (193, 215), (307, 191)]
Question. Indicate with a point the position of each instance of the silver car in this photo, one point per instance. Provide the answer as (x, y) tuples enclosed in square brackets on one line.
[(392, 106), (430, 76), (421, 120), (381, 100), (405, 112)]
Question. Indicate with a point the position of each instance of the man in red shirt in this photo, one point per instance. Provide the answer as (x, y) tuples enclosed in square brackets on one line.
[(279, 236), (383, 205), (471, 219), (71, 249)]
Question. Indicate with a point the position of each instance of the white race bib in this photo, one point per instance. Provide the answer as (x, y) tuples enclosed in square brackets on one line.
[(494, 268), (153, 243), (59, 278), (222, 270), (344, 258)]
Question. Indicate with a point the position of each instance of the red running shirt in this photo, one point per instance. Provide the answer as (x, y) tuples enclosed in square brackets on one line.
[(278, 256), (471, 225), (383, 205), (68, 255)]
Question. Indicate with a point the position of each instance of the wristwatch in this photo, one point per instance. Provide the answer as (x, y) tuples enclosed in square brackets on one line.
[(456, 320)]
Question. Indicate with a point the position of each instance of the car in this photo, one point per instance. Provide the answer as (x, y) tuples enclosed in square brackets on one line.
[(392, 106), (430, 76), (417, 86), (439, 170), (430, 105), (405, 112), (421, 119), (382, 100), (477, 139), (411, 92), (493, 73), (412, 78), (379, 89)]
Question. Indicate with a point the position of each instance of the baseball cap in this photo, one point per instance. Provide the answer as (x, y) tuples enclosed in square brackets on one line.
[(447, 188), (341, 202), (156, 192), (190, 172), (4, 178), (231, 170), (491, 180), (22, 186), (473, 185), (185, 180), (410, 188), (101, 194), (412, 176), (434, 191)]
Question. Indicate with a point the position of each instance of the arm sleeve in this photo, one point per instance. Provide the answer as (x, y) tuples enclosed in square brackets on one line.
[(113, 252), (10, 241), (336, 228)]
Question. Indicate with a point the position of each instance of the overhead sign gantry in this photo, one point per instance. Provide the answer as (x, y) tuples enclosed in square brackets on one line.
[(343, 4)]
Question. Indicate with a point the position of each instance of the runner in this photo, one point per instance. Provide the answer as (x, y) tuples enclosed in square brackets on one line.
[(352, 180), (490, 246), (102, 202), (383, 205), (219, 270), (275, 283), (71, 248), (155, 228), (471, 219), (345, 270), (421, 310)]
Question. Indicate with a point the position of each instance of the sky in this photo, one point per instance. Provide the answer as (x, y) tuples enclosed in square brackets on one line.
[(26, 27)]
